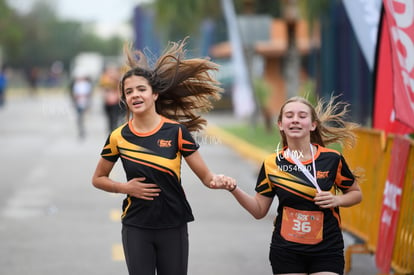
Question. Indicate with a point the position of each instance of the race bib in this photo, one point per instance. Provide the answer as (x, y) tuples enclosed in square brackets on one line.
[(300, 226)]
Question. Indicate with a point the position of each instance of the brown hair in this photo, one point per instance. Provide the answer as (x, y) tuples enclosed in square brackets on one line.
[(184, 86), (329, 116)]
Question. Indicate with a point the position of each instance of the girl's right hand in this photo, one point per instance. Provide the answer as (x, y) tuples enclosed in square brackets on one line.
[(139, 189)]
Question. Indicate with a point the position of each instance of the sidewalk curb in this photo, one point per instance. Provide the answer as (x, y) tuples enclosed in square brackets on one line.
[(239, 145)]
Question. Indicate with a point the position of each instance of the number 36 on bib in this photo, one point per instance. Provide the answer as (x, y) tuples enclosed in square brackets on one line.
[(300, 226)]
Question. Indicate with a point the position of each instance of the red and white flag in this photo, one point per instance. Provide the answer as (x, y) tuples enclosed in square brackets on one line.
[(391, 203), (394, 94)]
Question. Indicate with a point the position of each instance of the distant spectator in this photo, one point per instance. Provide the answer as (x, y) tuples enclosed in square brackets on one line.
[(111, 98), (81, 96), (32, 76), (3, 86), (55, 73)]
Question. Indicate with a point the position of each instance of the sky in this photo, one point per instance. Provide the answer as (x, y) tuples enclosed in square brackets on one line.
[(110, 16)]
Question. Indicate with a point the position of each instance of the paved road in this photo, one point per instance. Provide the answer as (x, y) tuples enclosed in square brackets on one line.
[(52, 221)]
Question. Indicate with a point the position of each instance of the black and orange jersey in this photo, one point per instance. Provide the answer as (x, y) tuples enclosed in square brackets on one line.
[(157, 157), (280, 176)]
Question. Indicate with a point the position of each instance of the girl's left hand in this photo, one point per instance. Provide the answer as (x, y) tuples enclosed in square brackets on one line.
[(326, 199), (222, 182)]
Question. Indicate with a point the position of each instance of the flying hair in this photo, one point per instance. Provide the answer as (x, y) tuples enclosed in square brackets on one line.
[(185, 87), (331, 126)]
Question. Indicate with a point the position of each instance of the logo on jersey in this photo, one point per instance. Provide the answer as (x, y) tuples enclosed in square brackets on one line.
[(322, 174), (163, 143)]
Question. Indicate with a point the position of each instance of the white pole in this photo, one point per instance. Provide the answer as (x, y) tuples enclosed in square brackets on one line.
[(243, 99)]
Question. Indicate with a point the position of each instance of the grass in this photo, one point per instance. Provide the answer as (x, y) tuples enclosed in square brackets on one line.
[(259, 137), (256, 135)]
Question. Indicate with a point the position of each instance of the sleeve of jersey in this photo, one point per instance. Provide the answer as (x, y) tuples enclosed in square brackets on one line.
[(263, 185), (110, 150), (186, 143), (344, 177)]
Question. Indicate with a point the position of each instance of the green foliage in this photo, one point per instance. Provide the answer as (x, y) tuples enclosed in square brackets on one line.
[(313, 10), (257, 136), (184, 16), (270, 7), (11, 32), (262, 90), (39, 38), (180, 18), (308, 91)]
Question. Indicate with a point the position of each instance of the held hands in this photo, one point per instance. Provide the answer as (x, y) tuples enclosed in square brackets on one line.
[(326, 199), (223, 182), (146, 191)]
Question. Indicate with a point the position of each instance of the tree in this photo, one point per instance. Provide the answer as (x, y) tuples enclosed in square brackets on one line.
[(39, 38), (311, 11), (178, 13), (11, 31), (184, 16)]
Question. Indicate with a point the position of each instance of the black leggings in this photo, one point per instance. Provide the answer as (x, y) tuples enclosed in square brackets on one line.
[(164, 250)]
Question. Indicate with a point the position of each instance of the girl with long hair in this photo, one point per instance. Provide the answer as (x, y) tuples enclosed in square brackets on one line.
[(311, 182), (163, 104)]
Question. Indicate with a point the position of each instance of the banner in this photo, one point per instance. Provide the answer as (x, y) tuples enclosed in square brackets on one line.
[(386, 89), (364, 16), (400, 21), (391, 203)]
